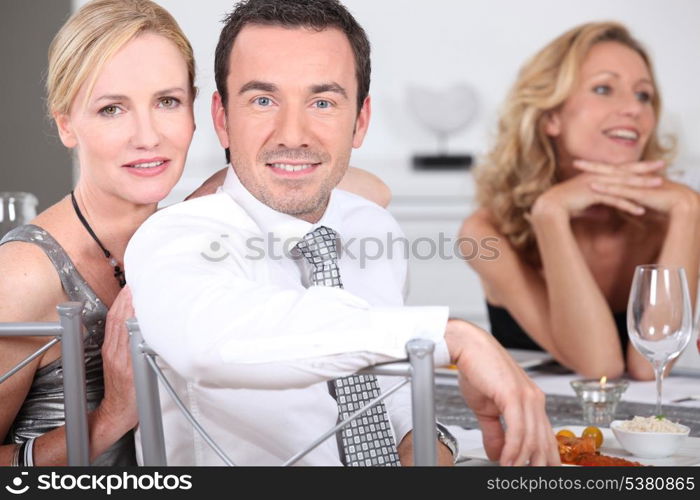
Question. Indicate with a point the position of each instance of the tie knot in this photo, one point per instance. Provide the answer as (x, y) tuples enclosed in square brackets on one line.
[(319, 246)]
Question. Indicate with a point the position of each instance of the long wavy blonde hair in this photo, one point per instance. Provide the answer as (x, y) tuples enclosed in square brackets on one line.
[(522, 164)]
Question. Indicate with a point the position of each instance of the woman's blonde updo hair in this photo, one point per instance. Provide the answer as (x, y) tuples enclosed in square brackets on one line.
[(522, 164), (96, 32)]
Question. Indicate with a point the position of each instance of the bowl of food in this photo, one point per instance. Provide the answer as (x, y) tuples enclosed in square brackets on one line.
[(650, 437)]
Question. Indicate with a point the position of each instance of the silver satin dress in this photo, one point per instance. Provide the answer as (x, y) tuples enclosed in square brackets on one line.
[(43, 408)]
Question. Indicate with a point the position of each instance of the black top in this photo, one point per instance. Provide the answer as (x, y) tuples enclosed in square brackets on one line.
[(509, 333)]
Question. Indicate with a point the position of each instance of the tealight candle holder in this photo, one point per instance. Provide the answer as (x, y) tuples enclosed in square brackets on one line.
[(599, 399)]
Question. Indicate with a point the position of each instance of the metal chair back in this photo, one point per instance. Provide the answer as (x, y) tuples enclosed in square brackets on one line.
[(419, 370), (68, 331)]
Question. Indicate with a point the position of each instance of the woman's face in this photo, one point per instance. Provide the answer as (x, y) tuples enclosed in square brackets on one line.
[(133, 132), (609, 115)]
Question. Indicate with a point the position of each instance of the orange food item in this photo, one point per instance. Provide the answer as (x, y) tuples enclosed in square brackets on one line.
[(570, 448), (582, 451), (595, 433), (605, 461), (566, 433)]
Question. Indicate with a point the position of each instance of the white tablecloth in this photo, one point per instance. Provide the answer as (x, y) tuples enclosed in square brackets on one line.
[(674, 387)]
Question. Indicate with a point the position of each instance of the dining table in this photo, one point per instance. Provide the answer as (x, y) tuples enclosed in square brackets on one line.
[(681, 403)]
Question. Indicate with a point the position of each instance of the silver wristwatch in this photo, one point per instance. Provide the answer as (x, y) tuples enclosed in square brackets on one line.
[(446, 438)]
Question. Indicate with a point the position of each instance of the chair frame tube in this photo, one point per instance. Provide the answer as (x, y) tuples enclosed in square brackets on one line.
[(69, 332), (147, 399)]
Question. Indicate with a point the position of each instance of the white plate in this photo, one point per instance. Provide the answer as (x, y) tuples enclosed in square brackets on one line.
[(689, 454)]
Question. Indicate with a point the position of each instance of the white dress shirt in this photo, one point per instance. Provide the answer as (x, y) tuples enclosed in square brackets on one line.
[(245, 339)]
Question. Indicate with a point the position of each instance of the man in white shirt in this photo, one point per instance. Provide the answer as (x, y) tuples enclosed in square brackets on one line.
[(241, 323)]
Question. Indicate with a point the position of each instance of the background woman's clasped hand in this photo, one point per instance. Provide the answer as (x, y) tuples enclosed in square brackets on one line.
[(625, 187), (637, 186)]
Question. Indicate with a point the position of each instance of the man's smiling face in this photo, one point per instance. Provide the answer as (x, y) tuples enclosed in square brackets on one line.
[(291, 119)]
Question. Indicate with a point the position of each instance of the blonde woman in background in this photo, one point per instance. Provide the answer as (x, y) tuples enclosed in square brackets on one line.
[(576, 192), (121, 90)]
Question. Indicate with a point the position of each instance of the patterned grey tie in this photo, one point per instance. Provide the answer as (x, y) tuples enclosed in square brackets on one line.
[(368, 440)]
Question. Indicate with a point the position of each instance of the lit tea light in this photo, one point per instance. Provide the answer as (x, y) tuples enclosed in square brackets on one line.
[(599, 398)]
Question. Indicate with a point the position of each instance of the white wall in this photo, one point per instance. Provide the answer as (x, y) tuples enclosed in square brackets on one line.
[(441, 42)]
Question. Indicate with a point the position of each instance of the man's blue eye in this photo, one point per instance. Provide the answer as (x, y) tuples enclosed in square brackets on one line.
[(263, 101), (323, 104)]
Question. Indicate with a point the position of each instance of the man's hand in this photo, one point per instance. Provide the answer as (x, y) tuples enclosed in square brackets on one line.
[(405, 449), (493, 385)]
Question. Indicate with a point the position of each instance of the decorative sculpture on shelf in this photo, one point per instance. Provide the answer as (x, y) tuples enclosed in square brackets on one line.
[(444, 112)]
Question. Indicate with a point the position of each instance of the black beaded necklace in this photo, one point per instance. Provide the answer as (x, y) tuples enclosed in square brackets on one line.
[(118, 273)]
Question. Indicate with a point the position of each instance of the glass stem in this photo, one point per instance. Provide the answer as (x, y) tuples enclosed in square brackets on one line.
[(659, 375)]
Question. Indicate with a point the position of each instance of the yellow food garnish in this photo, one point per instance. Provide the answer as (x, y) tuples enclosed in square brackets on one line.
[(595, 433)]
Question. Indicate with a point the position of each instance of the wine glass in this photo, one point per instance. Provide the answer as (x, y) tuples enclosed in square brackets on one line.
[(659, 316), (16, 208)]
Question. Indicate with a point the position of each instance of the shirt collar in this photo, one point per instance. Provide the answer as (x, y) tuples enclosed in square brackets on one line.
[(270, 221)]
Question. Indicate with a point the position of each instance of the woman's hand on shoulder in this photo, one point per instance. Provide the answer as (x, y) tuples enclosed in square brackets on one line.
[(119, 403)]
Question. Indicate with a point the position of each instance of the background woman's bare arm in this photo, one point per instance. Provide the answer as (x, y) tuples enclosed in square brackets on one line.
[(681, 247), (514, 284)]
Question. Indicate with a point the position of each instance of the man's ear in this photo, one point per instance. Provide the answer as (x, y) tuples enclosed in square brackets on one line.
[(65, 130), (362, 123), (552, 123), (218, 115)]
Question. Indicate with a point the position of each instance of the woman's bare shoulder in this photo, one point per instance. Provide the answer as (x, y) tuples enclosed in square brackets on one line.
[(479, 224), (29, 284), (503, 261)]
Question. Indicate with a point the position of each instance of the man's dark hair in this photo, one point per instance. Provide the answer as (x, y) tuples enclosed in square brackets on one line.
[(314, 14)]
